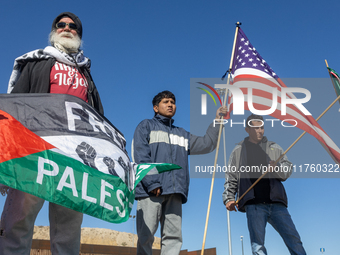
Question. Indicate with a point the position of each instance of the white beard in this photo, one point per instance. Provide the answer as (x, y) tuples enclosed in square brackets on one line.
[(69, 44)]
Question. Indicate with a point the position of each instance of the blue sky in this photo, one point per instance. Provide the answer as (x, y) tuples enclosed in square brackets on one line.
[(139, 48)]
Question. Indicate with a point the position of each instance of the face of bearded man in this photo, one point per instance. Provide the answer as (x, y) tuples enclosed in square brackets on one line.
[(70, 43)]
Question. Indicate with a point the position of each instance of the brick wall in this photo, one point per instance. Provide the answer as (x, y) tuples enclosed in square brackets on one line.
[(42, 247)]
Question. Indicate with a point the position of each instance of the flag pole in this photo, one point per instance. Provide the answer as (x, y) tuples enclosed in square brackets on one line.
[(228, 213), (218, 144), (238, 200)]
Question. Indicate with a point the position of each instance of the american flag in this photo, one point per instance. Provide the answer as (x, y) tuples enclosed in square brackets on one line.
[(251, 73)]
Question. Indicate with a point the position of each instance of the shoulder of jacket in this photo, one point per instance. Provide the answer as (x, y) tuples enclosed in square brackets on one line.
[(181, 130), (237, 147), (42, 61), (150, 124), (143, 123), (274, 145)]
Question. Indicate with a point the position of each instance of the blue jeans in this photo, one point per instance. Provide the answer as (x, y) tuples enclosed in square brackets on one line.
[(278, 216)]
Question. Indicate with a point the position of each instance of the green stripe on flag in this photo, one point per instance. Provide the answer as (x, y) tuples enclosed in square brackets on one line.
[(335, 80), (68, 182)]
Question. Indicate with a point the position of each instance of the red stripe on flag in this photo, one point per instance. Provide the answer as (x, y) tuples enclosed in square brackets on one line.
[(17, 141), (256, 78), (249, 66)]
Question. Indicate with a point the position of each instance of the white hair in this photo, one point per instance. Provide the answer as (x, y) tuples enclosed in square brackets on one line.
[(70, 44)]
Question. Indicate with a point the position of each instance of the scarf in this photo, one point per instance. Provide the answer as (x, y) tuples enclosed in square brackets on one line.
[(74, 59)]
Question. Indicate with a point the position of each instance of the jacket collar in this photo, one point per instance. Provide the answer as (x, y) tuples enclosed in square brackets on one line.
[(263, 141), (165, 120)]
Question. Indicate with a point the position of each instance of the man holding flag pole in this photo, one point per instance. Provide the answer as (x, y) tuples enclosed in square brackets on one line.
[(267, 201), (160, 197), (258, 82)]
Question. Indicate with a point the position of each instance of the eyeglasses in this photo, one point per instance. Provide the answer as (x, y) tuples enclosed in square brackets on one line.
[(64, 24)]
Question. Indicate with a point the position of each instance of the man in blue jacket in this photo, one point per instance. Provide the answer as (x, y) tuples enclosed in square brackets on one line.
[(267, 200), (160, 197)]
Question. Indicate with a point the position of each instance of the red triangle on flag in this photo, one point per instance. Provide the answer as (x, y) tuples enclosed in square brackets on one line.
[(17, 141)]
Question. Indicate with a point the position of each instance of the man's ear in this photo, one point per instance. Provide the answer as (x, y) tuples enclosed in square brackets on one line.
[(247, 129), (155, 108)]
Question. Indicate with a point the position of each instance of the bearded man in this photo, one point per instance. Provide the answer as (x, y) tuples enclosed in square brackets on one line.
[(60, 68)]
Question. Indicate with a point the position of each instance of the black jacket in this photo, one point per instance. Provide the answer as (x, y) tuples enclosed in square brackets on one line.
[(35, 78)]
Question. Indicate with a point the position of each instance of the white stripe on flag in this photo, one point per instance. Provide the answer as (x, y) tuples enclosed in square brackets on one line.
[(251, 71)]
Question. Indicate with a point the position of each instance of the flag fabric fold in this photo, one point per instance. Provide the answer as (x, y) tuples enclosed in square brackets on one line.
[(59, 148), (260, 84), (335, 80)]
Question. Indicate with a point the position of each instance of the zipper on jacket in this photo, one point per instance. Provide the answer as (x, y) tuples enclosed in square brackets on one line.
[(172, 172)]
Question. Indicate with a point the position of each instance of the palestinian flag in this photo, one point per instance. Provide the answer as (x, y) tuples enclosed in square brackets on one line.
[(59, 148), (335, 80)]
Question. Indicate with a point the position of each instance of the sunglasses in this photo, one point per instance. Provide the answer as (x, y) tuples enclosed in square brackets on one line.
[(64, 24)]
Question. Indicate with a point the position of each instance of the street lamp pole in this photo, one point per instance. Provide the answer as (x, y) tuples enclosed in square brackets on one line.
[(242, 245), (133, 229)]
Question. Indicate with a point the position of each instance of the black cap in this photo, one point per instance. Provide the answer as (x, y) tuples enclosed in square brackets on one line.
[(72, 16)]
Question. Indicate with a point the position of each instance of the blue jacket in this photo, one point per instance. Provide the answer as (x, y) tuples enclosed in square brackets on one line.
[(157, 140)]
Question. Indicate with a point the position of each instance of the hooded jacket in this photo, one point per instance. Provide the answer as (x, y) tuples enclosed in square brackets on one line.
[(238, 179), (157, 140)]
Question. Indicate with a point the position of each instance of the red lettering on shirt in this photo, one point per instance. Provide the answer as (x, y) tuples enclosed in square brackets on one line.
[(65, 79)]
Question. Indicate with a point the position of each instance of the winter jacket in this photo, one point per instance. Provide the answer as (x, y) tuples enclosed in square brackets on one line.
[(35, 78), (238, 179), (157, 140)]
